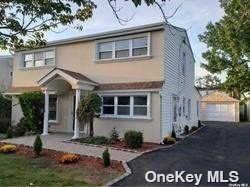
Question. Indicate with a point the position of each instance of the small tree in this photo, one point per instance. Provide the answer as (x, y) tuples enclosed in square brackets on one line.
[(9, 133), (89, 107), (38, 145), (106, 157)]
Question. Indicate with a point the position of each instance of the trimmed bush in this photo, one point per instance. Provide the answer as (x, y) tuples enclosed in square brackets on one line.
[(8, 149), (4, 125), (133, 139), (186, 129), (9, 133), (5, 107), (114, 136), (168, 140), (38, 145), (199, 124), (97, 140), (173, 134), (194, 128), (106, 157), (69, 158)]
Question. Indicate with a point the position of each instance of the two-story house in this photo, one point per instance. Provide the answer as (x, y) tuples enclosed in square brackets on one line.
[(144, 74), (6, 72)]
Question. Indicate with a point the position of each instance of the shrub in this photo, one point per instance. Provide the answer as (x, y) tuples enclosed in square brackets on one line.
[(106, 157), (5, 107), (199, 124), (8, 149), (186, 129), (168, 140), (9, 133), (114, 136), (133, 139), (4, 125), (32, 104), (173, 134), (97, 140), (38, 145), (194, 128), (69, 158), (18, 131)]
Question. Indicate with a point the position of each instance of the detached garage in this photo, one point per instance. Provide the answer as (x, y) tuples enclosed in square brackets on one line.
[(218, 106)]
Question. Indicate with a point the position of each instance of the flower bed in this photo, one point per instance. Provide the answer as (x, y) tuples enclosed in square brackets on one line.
[(84, 161)]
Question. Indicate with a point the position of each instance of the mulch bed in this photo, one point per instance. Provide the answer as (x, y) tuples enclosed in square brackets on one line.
[(145, 146), (85, 161)]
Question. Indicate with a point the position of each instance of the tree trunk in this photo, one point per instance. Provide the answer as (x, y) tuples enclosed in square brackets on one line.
[(91, 128)]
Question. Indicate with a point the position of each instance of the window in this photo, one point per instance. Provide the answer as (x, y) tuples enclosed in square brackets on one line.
[(105, 50), (108, 105), (122, 48), (183, 63), (125, 106), (11, 74), (38, 59), (140, 105), (184, 105), (198, 108), (133, 47), (52, 108), (189, 108), (140, 46)]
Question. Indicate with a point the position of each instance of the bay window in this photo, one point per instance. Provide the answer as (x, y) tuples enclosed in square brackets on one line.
[(126, 106)]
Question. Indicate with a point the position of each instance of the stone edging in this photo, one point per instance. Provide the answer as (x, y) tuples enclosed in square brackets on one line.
[(127, 173)]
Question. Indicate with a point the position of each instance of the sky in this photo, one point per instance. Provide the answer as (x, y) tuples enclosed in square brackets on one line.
[(193, 15)]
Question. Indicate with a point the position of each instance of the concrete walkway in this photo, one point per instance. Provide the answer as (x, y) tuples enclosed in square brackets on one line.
[(55, 142)]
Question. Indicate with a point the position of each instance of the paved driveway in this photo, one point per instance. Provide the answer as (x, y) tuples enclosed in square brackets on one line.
[(216, 147)]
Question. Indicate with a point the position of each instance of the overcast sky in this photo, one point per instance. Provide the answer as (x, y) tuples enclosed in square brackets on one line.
[(192, 15)]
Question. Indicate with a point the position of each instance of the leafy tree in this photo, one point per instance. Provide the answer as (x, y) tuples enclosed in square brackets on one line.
[(89, 107), (5, 107), (228, 47), (32, 104), (23, 22), (208, 81)]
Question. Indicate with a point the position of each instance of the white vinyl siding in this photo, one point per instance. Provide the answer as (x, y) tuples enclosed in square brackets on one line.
[(38, 59), (137, 106)]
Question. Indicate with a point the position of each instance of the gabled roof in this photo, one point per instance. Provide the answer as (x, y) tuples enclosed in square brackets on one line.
[(218, 97), (130, 86), (70, 76)]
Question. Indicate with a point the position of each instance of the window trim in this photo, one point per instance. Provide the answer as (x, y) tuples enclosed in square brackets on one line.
[(189, 109), (130, 38), (32, 52), (131, 106), (57, 107)]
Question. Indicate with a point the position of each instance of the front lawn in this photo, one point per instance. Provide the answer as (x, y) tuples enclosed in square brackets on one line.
[(20, 170)]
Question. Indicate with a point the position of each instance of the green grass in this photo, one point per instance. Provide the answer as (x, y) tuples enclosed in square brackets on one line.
[(17, 170)]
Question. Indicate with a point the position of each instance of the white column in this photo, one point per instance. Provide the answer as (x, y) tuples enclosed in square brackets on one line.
[(76, 128), (46, 113)]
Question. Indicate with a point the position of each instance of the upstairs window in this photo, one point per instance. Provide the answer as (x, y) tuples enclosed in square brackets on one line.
[(105, 50), (122, 48), (184, 63), (127, 48), (140, 46), (38, 59)]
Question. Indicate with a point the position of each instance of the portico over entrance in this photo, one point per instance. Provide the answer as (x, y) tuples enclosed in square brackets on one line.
[(59, 82)]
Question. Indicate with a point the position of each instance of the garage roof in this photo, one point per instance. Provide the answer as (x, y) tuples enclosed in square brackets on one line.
[(218, 97)]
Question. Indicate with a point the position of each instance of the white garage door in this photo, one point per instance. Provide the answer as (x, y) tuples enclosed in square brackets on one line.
[(220, 112)]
